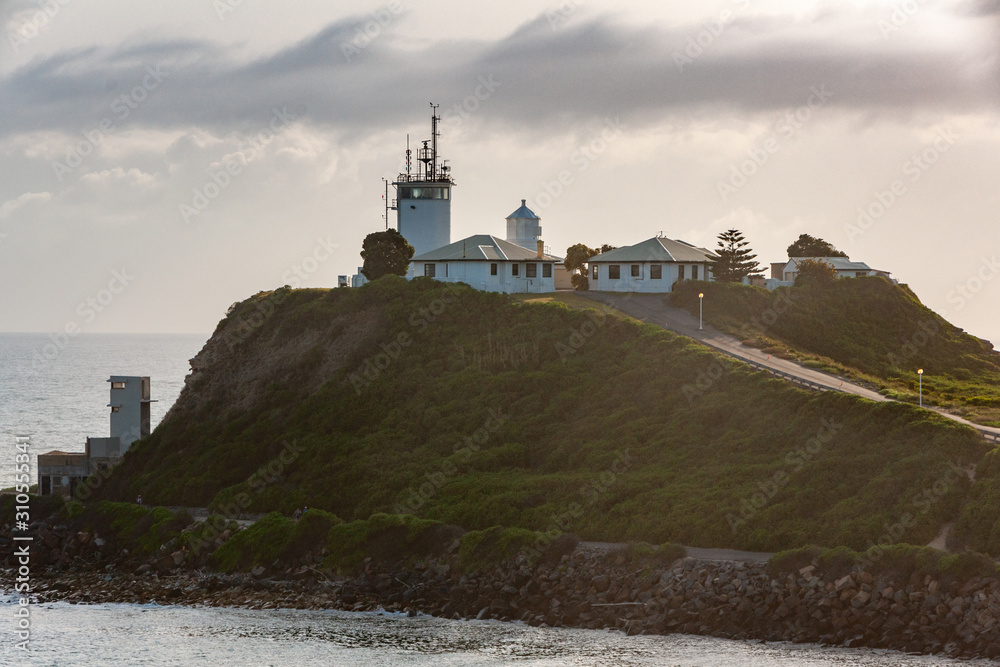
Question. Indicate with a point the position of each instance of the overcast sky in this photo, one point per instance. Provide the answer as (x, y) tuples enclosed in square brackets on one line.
[(874, 125)]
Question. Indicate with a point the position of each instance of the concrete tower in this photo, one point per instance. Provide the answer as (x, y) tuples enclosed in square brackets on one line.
[(523, 227), (423, 199), (129, 409)]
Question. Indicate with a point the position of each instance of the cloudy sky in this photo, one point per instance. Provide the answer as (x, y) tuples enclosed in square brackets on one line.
[(162, 161)]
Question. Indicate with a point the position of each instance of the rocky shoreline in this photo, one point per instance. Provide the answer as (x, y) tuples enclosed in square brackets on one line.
[(583, 588)]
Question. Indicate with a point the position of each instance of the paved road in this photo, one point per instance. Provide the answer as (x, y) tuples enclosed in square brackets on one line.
[(694, 552), (652, 308)]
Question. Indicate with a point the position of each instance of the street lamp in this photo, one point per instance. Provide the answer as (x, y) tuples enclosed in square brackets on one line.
[(920, 374), (701, 311)]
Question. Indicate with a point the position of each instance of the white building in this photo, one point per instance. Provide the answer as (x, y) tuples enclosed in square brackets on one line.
[(489, 264), (651, 266), (844, 267)]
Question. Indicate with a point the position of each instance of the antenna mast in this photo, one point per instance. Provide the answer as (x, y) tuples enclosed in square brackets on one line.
[(434, 141)]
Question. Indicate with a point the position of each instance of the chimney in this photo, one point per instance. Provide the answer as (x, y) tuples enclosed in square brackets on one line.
[(541, 249)]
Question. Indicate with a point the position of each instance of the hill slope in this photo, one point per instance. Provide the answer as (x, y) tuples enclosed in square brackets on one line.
[(865, 328), (463, 406)]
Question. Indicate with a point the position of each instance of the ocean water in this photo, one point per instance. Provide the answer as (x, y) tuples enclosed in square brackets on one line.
[(58, 394), (119, 634)]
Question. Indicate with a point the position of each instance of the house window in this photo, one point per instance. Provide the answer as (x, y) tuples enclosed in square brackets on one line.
[(117, 385), (116, 408), (445, 270), (430, 270), (493, 269), (680, 272), (694, 273), (530, 270), (546, 270), (595, 271), (614, 271), (515, 270), (656, 272), (636, 272)]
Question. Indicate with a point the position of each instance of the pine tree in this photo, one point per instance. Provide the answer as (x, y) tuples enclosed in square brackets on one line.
[(733, 261)]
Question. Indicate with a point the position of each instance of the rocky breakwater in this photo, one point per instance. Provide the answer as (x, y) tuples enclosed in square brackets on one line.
[(620, 589)]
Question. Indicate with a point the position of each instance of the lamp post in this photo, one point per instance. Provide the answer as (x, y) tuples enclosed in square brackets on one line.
[(920, 374), (701, 311)]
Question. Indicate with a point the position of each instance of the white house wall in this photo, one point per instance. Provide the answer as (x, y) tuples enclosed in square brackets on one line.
[(643, 283), (476, 274)]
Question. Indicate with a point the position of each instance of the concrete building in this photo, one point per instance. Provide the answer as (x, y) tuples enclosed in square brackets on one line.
[(423, 199), (489, 264), (60, 473), (653, 265)]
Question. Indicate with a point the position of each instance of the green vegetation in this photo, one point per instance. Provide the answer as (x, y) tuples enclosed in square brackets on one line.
[(897, 561), (395, 398), (274, 538), (483, 549), (144, 529), (865, 328)]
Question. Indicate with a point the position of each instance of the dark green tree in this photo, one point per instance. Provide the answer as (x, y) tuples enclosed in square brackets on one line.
[(576, 263), (384, 253), (810, 246), (814, 272), (733, 260)]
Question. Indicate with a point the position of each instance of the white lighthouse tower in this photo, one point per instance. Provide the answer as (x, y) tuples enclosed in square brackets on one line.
[(423, 199), (523, 227)]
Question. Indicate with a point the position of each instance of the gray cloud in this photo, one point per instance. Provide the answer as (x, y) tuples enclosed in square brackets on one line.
[(586, 70)]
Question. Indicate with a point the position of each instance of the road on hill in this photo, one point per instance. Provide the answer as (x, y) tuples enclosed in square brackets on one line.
[(653, 309)]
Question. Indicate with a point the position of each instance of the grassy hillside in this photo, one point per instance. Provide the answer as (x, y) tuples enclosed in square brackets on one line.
[(866, 328), (471, 409)]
